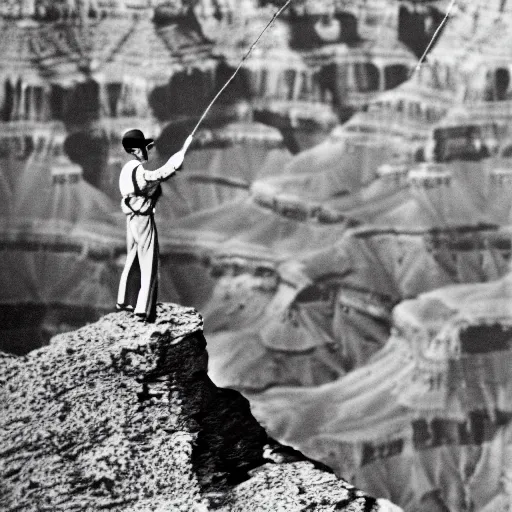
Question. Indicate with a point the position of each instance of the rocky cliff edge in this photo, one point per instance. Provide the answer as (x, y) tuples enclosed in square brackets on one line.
[(122, 416)]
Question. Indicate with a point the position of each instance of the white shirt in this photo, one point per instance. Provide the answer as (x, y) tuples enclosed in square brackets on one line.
[(138, 186)]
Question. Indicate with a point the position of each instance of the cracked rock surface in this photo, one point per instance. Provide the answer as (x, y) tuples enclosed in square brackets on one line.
[(122, 416)]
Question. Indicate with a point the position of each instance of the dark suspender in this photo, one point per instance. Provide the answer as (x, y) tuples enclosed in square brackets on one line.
[(136, 188), (138, 192)]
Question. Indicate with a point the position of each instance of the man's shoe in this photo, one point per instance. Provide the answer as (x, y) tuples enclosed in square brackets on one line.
[(124, 307), (141, 317)]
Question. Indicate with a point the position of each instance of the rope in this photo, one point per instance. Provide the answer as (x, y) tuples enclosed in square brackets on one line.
[(274, 17), (276, 14), (427, 49)]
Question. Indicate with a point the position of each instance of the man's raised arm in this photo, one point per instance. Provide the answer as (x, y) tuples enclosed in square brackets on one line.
[(167, 170)]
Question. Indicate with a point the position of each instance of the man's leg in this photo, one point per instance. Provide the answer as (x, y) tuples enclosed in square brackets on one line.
[(147, 250), (129, 283)]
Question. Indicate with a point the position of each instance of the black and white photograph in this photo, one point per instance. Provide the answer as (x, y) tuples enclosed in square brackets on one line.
[(255, 255)]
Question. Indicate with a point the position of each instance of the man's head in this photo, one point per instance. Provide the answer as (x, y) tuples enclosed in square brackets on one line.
[(137, 145)]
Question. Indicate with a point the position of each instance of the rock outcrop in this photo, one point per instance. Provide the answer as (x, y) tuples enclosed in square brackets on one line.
[(121, 415)]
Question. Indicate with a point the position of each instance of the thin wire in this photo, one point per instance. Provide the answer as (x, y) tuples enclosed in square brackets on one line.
[(276, 14), (445, 19)]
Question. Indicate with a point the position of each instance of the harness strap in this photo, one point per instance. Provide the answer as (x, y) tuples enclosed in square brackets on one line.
[(138, 193), (136, 188)]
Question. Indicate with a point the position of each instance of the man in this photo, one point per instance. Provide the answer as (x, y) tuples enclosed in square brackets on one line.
[(141, 190)]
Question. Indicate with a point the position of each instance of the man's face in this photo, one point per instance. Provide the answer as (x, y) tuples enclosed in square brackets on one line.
[(142, 155)]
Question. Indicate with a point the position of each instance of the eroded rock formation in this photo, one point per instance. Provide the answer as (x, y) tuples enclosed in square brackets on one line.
[(120, 415)]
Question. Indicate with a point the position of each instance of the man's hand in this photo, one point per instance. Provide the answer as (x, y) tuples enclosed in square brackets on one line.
[(176, 160)]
